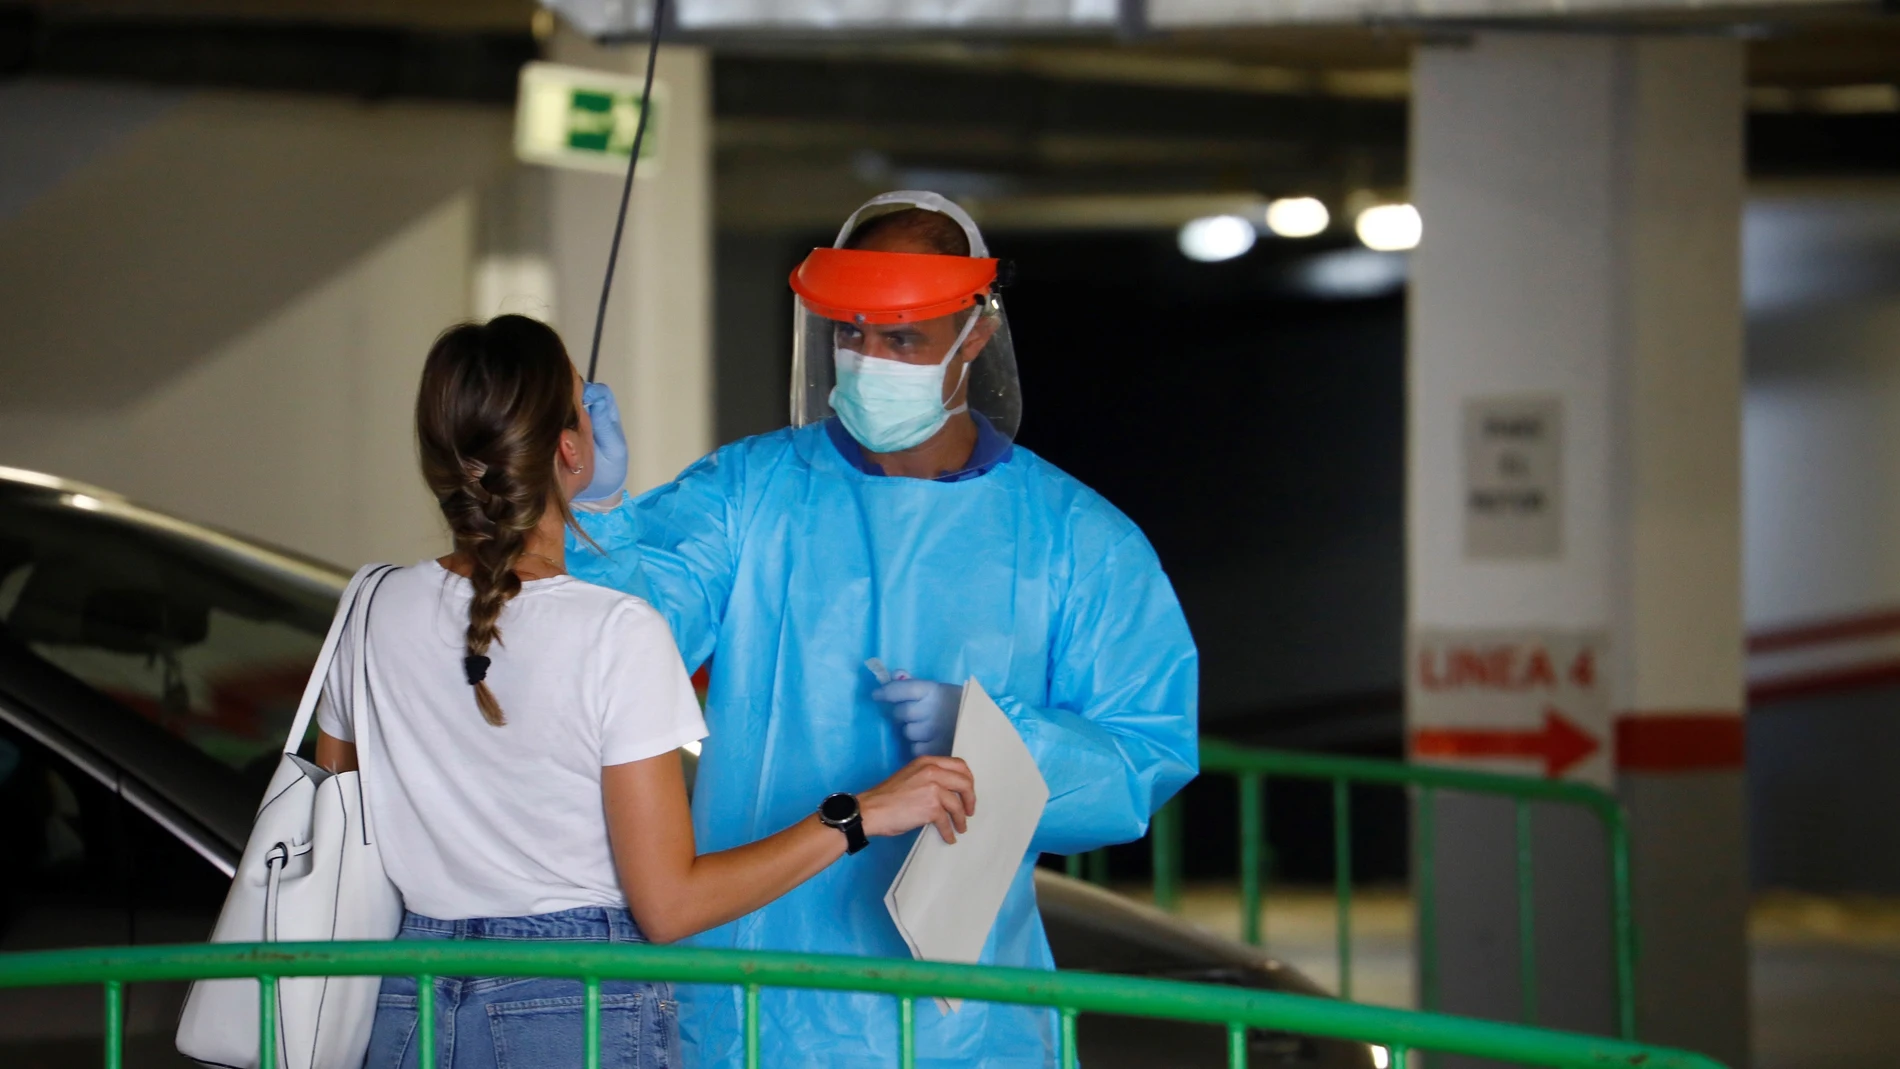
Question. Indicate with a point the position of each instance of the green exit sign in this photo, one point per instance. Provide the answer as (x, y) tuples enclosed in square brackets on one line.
[(585, 119)]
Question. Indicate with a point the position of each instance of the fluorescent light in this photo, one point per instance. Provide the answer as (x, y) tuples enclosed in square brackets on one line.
[(1389, 227), (1381, 1057), (1297, 217), (1213, 238)]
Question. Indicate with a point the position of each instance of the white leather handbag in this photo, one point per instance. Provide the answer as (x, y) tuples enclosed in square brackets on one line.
[(311, 872)]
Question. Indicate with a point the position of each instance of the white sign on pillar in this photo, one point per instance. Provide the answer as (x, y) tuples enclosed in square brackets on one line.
[(1514, 477), (1531, 702)]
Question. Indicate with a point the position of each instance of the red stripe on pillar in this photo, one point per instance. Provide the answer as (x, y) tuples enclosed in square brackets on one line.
[(1823, 632), (1824, 681), (1680, 742)]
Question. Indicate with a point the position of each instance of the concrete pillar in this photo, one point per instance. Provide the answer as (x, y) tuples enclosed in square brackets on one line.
[(1578, 285), (656, 349), (512, 273)]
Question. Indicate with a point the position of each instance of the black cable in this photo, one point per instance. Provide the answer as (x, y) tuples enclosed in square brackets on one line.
[(626, 190)]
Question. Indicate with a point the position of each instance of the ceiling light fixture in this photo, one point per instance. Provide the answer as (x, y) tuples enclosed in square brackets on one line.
[(1297, 217), (1389, 227), (1213, 238)]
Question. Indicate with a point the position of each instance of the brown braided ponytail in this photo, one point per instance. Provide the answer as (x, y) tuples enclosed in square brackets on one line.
[(495, 398)]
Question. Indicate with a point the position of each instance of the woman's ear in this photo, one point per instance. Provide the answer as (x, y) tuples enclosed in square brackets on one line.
[(570, 459)]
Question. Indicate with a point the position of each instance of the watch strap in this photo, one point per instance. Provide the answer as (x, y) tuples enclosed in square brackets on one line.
[(854, 837)]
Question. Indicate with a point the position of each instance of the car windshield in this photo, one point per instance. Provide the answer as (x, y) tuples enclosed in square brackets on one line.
[(188, 628)]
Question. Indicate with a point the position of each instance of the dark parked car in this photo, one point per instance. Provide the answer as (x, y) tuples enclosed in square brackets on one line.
[(149, 669)]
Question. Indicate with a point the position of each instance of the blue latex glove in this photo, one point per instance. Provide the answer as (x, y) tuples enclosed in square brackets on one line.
[(926, 711), (610, 444)]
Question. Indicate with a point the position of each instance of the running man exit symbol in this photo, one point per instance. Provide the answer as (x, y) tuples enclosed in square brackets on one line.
[(586, 119), (606, 122)]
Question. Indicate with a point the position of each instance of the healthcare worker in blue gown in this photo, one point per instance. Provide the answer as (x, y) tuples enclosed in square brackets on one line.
[(897, 521)]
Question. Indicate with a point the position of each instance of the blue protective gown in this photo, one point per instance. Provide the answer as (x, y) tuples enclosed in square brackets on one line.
[(788, 567)]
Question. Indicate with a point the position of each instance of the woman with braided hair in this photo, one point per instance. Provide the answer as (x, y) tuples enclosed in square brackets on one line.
[(519, 748)]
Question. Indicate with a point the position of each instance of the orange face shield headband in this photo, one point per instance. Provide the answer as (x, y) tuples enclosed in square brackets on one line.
[(858, 286)]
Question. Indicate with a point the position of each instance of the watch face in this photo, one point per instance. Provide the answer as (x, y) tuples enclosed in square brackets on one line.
[(838, 808)]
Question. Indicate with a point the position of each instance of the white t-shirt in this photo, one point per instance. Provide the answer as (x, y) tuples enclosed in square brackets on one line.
[(482, 821)]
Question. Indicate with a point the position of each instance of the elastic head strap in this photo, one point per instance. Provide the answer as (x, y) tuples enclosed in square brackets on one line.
[(918, 198), (963, 369)]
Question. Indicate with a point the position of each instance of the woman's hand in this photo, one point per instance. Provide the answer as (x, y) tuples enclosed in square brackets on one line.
[(929, 790)]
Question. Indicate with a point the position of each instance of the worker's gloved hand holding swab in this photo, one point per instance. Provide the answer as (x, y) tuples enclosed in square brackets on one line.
[(610, 443), (926, 712)]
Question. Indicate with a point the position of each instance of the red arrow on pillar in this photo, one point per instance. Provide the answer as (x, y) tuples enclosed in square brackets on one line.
[(1560, 743)]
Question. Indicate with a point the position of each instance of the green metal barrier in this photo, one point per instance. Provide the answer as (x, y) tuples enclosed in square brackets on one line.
[(1252, 768), (1401, 1032)]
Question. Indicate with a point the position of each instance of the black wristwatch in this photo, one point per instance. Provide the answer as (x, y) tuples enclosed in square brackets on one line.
[(840, 811)]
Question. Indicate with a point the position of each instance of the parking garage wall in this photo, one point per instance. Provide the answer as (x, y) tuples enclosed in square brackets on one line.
[(1821, 514), (218, 303)]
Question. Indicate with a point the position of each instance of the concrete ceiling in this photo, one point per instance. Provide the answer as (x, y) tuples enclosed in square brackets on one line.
[(1068, 127), (1790, 45)]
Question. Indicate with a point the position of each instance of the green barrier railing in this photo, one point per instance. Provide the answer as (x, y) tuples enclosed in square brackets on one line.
[(1252, 767), (1401, 1032)]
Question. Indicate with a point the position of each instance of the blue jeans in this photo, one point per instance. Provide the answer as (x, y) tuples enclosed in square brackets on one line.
[(501, 1023)]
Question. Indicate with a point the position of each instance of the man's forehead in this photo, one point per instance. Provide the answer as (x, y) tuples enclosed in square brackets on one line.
[(925, 326)]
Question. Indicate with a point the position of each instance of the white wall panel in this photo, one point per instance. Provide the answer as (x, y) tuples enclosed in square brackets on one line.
[(223, 312)]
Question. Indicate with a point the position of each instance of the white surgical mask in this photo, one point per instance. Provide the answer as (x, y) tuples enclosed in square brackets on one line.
[(890, 406)]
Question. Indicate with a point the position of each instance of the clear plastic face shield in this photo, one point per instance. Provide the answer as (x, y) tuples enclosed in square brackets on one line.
[(896, 344)]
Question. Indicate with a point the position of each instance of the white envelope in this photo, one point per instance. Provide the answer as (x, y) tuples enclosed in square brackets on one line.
[(946, 897)]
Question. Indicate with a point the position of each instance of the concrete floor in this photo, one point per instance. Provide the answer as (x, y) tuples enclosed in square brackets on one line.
[(1827, 982), (1826, 971)]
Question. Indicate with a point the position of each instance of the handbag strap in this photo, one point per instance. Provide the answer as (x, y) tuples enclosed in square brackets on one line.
[(313, 690), (359, 689), (359, 655)]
